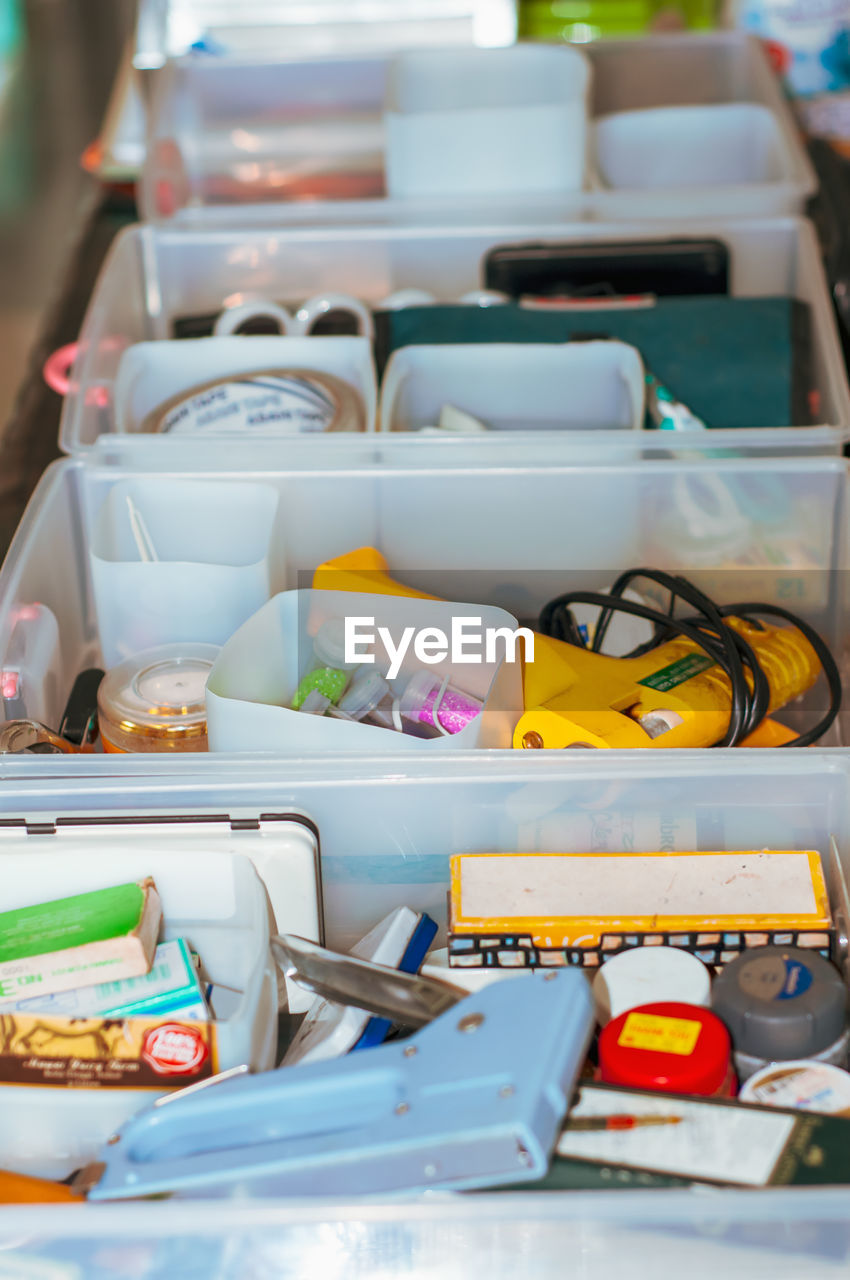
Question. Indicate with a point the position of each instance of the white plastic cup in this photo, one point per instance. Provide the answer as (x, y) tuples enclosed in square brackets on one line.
[(475, 121), (211, 540), (722, 144), (516, 386)]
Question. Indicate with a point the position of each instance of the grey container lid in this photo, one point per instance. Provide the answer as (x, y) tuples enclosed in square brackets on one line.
[(781, 1002)]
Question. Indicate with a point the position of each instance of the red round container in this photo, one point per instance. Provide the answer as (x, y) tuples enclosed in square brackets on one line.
[(672, 1047)]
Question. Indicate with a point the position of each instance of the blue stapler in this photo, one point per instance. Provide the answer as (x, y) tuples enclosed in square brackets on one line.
[(474, 1099)]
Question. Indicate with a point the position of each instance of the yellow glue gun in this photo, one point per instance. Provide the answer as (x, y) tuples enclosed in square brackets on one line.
[(674, 696)]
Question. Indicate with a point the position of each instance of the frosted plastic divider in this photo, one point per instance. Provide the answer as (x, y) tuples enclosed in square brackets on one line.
[(211, 572), (495, 382), (463, 122), (212, 898)]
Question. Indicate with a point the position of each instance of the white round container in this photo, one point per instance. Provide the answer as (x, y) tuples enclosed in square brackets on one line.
[(805, 1084), (646, 975)]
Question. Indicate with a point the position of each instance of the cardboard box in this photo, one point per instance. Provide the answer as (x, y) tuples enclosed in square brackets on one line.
[(519, 909), (90, 938)]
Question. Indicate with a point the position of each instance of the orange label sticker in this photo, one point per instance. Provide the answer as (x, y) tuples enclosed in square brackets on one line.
[(664, 1035)]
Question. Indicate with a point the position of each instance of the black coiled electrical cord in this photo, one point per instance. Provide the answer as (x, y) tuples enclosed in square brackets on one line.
[(706, 629)]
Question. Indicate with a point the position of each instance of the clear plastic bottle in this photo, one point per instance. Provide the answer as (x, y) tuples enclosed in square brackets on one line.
[(369, 700), (428, 700), (328, 672)]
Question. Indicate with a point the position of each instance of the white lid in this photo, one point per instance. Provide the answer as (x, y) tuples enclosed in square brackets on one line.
[(805, 1084), (329, 646), (365, 694), (645, 975)]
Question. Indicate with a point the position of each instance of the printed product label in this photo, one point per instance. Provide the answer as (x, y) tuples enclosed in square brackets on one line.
[(774, 978), (288, 404), (813, 1088), (663, 1035), (678, 672), (174, 1050), (97, 1053)]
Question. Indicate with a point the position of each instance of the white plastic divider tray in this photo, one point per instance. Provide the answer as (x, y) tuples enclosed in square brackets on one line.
[(768, 529), (301, 140), (212, 897), (156, 275), (386, 837)]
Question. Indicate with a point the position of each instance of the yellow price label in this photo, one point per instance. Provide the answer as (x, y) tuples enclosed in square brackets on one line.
[(663, 1035)]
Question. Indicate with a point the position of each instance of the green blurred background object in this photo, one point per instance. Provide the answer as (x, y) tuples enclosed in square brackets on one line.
[(583, 20)]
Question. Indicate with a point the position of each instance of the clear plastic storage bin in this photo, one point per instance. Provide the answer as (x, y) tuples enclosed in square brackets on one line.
[(156, 275), (386, 838), (514, 537), (240, 30), (303, 140)]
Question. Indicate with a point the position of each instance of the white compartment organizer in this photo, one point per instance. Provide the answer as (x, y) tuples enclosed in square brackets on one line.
[(202, 569), (252, 683), (516, 387), (211, 897), (472, 121), (152, 374), (156, 276), (727, 145)]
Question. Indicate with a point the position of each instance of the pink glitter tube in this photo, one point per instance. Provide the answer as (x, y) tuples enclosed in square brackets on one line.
[(455, 709)]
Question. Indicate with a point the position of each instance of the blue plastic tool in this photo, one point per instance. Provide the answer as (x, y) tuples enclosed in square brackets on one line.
[(474, 1099)]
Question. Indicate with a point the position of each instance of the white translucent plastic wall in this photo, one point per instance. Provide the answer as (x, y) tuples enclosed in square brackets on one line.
[(510, 537), (153, 276)]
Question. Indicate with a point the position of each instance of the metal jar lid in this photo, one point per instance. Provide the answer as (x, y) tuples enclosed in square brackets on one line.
[(781, 1002), (155, 701)]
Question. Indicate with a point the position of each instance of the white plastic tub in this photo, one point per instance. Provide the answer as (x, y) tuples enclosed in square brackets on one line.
[(207, 578), (252, 683), (301, 141), (725, 145), (154, 276), (514, 387), (213, 899), (473, 121)]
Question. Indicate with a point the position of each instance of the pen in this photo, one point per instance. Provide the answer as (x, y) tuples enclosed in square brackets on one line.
[(599, 1124)]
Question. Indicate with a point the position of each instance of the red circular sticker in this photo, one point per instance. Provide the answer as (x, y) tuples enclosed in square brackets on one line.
[(174, 1050)]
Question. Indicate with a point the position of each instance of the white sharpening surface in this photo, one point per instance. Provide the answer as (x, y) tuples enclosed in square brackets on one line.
[(705, 885)]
